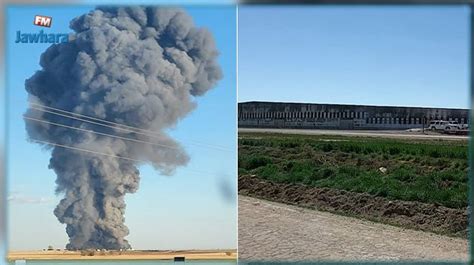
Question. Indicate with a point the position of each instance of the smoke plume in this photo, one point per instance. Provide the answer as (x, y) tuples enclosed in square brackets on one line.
[(139, 66)]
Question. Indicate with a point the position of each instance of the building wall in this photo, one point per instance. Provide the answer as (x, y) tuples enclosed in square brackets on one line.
[(333, 116)]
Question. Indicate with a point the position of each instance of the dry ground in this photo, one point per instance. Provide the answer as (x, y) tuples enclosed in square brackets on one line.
[(125, 255), (274, 231), (400, 134)]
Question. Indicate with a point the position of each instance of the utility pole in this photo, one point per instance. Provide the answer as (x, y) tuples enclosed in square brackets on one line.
[(423, 124)]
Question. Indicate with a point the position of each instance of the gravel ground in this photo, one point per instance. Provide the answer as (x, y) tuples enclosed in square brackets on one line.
[(385, 134), (274, 231)]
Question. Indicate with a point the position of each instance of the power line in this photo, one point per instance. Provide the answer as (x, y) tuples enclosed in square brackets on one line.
[(96, 119), (87, 150), (113, 125), (130, 128), (96, 123), (99, 133), (110, 155)]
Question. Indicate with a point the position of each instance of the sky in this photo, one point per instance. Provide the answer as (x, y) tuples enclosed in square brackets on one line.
[(386, 55), (188, 210)]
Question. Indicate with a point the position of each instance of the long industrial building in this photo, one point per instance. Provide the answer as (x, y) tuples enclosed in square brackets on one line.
[(337, 116)]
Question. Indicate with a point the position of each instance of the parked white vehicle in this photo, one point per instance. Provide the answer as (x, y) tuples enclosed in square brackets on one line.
[(444, 126), (462, 126)]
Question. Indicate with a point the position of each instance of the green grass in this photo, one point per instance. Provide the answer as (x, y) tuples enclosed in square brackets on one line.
[(429, 171)]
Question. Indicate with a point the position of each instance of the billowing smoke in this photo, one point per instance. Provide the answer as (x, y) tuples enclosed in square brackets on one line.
[(139, 66)]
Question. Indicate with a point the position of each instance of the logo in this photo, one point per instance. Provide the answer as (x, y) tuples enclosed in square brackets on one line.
[(41, 37), (43, 21)]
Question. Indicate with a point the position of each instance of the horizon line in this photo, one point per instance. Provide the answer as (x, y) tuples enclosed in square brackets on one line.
[(351, 104)]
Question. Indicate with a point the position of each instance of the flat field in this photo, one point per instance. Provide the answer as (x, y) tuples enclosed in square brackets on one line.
[(432, 171), (123, 255), (415, 183)]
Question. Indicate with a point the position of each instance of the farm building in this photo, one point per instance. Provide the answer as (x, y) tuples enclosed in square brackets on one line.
[(337, 116)]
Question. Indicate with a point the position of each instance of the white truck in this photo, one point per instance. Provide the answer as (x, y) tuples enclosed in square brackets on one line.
[(446, 126)]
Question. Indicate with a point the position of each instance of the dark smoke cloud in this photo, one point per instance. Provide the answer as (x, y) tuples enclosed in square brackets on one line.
[(140, 66), (227, 189)]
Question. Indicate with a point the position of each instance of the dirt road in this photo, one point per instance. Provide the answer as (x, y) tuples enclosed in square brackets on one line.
[(385, 134), (274, 231)]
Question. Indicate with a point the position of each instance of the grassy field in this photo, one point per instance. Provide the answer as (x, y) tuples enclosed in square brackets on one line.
[(432, 171)]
